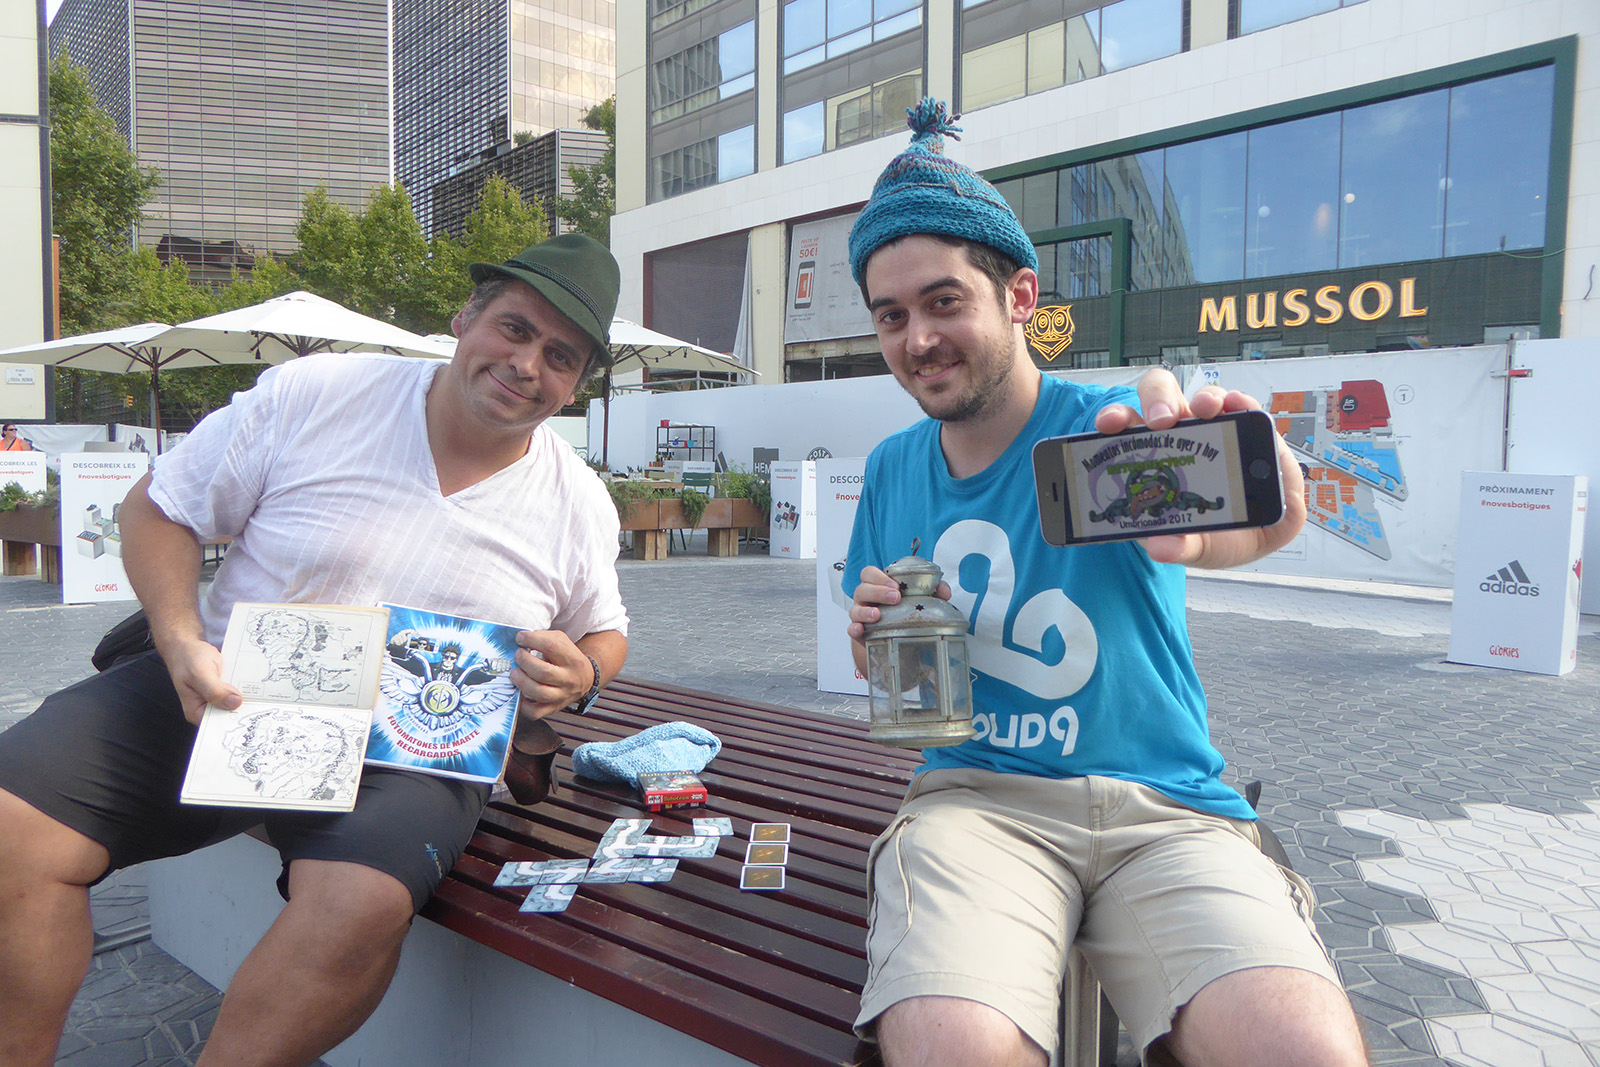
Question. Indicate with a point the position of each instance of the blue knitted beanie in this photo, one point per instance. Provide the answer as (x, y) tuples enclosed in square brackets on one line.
[(924, 191)]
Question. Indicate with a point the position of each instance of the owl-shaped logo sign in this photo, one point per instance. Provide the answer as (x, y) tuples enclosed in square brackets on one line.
[(1049, 330)]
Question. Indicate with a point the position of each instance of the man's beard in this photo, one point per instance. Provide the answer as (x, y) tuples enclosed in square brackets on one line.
[(986, 390)]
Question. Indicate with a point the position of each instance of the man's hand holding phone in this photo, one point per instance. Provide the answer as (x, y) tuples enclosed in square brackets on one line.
[(1164, 405)]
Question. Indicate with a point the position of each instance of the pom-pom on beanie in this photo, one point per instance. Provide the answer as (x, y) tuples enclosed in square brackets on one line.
[(924, 191)]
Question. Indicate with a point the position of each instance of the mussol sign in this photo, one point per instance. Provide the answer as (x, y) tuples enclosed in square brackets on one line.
[(1366, 302)]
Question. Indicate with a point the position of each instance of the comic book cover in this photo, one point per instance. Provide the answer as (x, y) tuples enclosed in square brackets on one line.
[(446, 703), (309, 675)]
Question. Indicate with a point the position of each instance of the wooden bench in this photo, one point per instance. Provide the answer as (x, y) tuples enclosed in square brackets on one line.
[(769, 979), (774, 978)]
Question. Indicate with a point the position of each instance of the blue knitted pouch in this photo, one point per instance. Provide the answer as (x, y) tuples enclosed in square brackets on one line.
[(671, 746)]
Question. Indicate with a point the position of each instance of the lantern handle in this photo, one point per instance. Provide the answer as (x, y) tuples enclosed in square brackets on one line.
[(916, 543)]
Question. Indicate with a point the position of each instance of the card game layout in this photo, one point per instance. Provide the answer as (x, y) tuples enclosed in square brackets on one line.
[(626, 853), (765, 857)]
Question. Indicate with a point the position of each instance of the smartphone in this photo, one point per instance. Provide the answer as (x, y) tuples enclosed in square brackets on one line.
[(1201, 474)]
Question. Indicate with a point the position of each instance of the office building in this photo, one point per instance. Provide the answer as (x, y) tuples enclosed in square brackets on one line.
[(1203, 179), (244, 106), (469, 75), (540, 171)]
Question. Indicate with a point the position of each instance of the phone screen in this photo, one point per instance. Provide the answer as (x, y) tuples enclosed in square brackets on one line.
[(1197, 475)]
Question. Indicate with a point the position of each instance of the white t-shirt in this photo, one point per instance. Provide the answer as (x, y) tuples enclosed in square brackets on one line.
[(323, 477)]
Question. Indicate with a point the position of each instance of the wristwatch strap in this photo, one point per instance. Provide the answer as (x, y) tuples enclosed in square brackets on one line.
[(588, 699)]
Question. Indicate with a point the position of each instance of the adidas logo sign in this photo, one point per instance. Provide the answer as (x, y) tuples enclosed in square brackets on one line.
[(1511, 580)]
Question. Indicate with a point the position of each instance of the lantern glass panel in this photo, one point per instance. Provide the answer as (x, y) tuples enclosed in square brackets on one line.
[(960, 695), (879, 683), (919, 674)]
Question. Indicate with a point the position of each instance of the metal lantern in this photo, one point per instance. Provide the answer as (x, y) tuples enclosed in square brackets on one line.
[(918, 681)]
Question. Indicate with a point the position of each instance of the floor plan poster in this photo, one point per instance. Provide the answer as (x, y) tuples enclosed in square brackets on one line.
[(1346, 447), (309, 675), (447, 701), (1381, 439)]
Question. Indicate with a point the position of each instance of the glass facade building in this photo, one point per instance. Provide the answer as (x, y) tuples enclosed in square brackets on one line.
[(539, 171), (471, 74), (1444, 189), (244, 106), (1203, 179)]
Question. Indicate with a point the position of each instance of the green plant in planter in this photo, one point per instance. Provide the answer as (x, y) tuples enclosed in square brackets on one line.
[(738, 481), (12, 495), (628, 493), (694, 505)]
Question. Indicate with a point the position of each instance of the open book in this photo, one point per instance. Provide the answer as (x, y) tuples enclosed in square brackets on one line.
[(309, 674), (327, 687)]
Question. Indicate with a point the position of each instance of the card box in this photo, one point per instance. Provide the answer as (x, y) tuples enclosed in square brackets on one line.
[(671, 789)]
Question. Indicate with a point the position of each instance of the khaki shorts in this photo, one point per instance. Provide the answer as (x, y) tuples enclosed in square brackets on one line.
[(975, 895)]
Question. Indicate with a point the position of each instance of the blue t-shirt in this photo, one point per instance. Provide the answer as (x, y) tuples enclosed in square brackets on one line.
[(1080, 655)]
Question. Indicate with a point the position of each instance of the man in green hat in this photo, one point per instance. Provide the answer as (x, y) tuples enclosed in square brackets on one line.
[(341, 479)]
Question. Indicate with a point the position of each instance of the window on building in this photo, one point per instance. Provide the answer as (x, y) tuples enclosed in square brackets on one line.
[(703, 74), (1138, 31), (1203, 239), (803, 130), (819, 30), (1292, 197), (1264, 14), (1499, 163), (1369, 185), (1392, 178), (1001, 63), (857, 115)]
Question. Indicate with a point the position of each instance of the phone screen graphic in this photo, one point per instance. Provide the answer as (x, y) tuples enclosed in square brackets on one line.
[(1187, 477), (1212, 474)]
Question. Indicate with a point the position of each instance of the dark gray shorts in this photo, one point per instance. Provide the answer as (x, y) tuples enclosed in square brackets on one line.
[(106, 757)]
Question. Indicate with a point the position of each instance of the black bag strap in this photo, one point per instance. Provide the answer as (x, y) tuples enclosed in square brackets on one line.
[(127, 638)]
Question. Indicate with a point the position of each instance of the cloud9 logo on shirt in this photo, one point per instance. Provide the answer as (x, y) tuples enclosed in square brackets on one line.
[(1017, 658)]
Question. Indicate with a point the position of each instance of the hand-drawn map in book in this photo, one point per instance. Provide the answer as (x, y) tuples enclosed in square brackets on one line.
[(446, 704), (309, 674)]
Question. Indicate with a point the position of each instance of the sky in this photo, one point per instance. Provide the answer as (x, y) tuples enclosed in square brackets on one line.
[(50, 9)]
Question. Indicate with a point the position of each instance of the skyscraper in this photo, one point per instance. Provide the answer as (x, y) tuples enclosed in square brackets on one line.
[(471, 74), (244, 106)]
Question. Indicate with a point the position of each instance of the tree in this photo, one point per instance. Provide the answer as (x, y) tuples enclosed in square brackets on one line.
[(162, 292), (98, 193), (594, 199), (498, 228), (269, 277)]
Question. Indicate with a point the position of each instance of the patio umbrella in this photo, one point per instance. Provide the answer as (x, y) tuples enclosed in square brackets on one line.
[(634, 346), (123, 350), (273, 331), (298, 324)]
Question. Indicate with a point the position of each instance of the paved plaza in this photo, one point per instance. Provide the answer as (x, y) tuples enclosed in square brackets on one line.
[(1448, 816)]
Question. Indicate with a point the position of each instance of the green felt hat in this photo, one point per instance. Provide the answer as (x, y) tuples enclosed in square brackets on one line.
[(577, 274)]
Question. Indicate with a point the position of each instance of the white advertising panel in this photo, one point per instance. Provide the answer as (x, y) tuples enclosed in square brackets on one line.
[(1381, 439), (1550, 435), (838, 494), (1518, 571), (823, 299), (24, 468), (92, 487), (794, 510)]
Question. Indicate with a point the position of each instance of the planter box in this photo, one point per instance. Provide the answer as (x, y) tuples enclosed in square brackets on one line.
[(23, 527), (40, 526), (734, 511)]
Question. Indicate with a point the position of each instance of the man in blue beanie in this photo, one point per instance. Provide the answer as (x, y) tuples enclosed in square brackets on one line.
[(1089, 806)]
